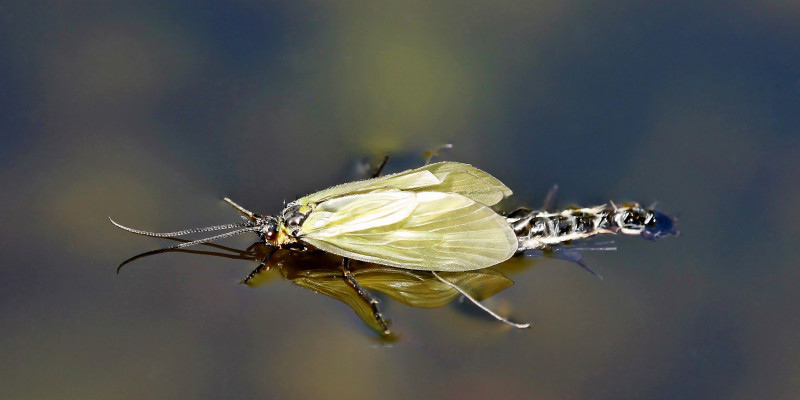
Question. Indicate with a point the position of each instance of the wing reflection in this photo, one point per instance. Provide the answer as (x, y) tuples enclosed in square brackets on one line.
[(322, 273)]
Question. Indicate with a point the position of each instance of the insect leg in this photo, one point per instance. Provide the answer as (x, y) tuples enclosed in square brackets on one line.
[(481, 306), (429, 154), (364, 295), (574, 255), (249, 214), (380, 167), (260, 267), (550, 199)]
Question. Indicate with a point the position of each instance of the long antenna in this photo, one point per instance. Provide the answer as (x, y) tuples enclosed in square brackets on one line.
[(180, 233), (187, 244)]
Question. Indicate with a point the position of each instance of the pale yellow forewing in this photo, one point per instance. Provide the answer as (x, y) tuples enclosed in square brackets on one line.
[(448, 177), (433, 231)]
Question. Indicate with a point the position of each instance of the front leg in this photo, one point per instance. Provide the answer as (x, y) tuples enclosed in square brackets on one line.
[(260, 266)]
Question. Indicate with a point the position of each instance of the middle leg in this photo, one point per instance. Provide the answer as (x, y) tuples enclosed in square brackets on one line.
[(364, 295)]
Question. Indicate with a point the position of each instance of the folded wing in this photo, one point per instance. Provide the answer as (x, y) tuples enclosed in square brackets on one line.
[(451, 177), (432, 231)]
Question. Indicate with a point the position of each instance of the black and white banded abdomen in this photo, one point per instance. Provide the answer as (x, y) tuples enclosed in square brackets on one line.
[(543, 229)]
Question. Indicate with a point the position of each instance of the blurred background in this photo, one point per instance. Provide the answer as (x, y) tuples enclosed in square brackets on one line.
[(151, 112)]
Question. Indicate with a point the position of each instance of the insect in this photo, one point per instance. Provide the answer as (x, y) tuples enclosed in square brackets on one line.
[(435, 218)]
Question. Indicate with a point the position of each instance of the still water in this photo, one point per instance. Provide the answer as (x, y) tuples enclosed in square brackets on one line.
[(152, 113)]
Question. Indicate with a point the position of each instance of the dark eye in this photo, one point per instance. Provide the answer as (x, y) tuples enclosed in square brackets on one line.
[(270, 231)]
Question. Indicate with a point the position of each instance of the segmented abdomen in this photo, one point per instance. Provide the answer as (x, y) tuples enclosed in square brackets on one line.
[(542, 229)]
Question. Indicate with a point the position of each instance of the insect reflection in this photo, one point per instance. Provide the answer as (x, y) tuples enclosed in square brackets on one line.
[(321, 272)]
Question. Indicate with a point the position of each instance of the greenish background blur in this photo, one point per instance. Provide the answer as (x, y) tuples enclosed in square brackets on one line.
[(151, 112)]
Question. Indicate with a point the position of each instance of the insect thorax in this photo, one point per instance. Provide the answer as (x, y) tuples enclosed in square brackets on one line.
[(541, 229), (294, 215)]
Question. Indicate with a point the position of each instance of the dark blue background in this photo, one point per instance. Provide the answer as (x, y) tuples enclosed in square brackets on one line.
[(151, 112)]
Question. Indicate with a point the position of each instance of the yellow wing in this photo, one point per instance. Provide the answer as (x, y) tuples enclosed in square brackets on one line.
[(431, 231), (449, 177)]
